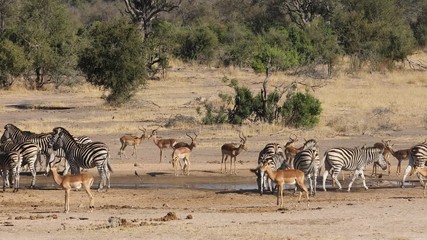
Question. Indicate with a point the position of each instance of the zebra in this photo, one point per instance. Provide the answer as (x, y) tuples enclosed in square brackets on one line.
[(59, 153), (351, 159), (18, 136), (10, 162), (417, 158), (308, 161), (28, 153), (94, 154), (274, 154)]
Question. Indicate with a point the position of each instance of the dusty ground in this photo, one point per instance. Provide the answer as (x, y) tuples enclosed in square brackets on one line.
[(206, 204)]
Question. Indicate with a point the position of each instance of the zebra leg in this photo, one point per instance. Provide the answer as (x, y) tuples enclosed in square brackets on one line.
[(325, 175), (101, 172), (310, 184), (356, 175), (261, 182), (4, 179), (407, 171), (335, 178)]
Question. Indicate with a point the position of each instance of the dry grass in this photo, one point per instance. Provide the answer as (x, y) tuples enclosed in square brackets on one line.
[(366, 103)]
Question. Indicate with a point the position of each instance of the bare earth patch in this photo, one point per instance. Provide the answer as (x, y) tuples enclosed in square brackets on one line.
[(147, 201)]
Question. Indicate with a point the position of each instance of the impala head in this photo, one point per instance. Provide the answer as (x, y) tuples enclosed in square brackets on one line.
[(291, 140), (143, 131), (193, 140), (243, 141), (153, 133)]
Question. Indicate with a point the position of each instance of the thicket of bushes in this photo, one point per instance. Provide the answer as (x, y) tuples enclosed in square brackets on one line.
[(52, 41)]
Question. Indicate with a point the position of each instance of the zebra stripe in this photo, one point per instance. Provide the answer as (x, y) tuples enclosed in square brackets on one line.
[(18, 136), (59, 153), (10, 162), (94, 154), (28, 152), (351, 159), (274, 154), (418, 158), (308, 161)]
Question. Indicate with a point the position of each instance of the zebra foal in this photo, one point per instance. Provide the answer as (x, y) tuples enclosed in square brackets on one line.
[(10, 162), (90, 155), (308, 162), (28, 153), (274, 154), (417, 158), (351, 159)]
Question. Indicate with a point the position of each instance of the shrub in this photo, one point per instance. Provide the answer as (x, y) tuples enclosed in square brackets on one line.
[(301, 110)]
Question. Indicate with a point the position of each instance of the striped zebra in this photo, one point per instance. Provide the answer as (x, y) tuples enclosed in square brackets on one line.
[(94, 154), (274, 154), (417, 158), (60, 154), (28, 153), (10, 162), (18, 136), (308, 161), (351, 159)]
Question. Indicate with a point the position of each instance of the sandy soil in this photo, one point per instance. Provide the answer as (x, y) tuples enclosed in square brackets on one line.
[(207, 204)]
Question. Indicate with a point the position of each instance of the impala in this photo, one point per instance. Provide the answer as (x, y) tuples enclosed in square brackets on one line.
[(282, 177), (291, 150), (131, 141), (232, 150), (400, 155), (69, 182), (161, 143), (423, 172), (183, 153)]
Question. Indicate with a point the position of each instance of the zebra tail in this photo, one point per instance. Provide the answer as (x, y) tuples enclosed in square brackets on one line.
[(109, 167)]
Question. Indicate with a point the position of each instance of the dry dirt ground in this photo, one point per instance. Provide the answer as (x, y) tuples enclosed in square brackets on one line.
[(205, 205)]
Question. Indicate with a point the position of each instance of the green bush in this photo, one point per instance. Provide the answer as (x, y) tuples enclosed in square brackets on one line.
[(301, 110)]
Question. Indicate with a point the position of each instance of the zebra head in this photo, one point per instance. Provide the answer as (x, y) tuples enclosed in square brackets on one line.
[(381, 160), (310, 144), (9, 131), (57, 135)]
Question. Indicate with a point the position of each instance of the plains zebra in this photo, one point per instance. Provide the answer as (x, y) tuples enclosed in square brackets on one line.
[(418, 158), (18, 136), (274, 154), (308, 161), (59, 153), (28, 153), (10, 162), (94, 154), (351, 159)]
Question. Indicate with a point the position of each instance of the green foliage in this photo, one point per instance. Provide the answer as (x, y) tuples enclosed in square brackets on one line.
[(199, 43), (301, 110), (270, 113), (12, 62), (47, 33), (214, 116), (373, 30), (420, 26), (243, 105), (114, 58)]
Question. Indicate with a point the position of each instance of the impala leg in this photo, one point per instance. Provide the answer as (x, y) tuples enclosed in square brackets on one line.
[(67, 200), (161, 153), (89, 193)]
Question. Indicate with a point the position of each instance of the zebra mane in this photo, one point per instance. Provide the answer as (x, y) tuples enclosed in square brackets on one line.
[(10, 125), (58, 130)]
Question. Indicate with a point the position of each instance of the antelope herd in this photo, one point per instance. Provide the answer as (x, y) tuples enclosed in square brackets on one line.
[(281, 164)]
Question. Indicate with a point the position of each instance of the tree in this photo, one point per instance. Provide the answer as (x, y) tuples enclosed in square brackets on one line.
[(47, 34), (144, 14), (114, 58), (12, 62)]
